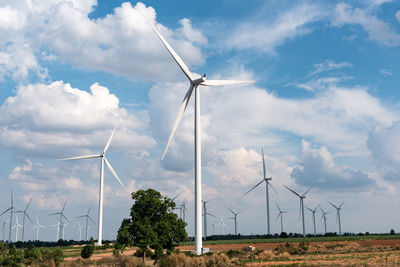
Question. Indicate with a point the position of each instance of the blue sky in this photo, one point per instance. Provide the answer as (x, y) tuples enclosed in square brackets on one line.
[(325, 107)]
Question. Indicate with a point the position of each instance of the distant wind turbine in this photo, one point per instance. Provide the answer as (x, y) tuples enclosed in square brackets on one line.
[(281, 212), (61, 227), (4, 227), (267, 184), (87, 218), (313, 217), (338, 208), (37, 226), (234, 218), (23, 218), (103, 160), (194, 85), (222, 224), (80, 226), (301, 197), (11, 209), (205, 214), (58, 229), (16, 226), (324, 217)]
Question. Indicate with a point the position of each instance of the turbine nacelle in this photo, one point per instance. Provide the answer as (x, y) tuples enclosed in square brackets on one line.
[(199, 80)]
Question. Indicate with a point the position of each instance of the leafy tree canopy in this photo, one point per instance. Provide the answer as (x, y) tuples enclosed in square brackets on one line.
[(152, 223)]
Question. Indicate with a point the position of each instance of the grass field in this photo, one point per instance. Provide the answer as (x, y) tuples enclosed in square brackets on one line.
[(299, 239)]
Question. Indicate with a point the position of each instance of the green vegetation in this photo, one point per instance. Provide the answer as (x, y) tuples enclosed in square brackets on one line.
[(152, 225)]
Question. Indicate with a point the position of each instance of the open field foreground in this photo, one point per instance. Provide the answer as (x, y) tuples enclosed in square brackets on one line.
[(370, 252)]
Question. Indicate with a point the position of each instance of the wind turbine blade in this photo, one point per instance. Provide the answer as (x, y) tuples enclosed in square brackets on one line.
[(212, 215), (172, 52), (27, 206), (28, 217), (300, 210), (177, 196), (273, 188), (113, 172), (5, 211), (89, 210), (66, 218), (91, 220), (263, 160), (341, 205), (307, 191), (178, 117), (64, 207), (81, 216), (278, 216), (82, 157), (254, 187), (231, 210), (309, 209), (109, 139), (277, 206), (292, 191), (224, 82), (337, 216), (54, 213), (333, 205)]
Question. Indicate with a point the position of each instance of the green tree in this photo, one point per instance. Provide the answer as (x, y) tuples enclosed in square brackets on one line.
[(152, 224)]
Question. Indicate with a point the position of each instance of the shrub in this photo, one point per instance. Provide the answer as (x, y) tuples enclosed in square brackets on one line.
[(266, 255), (87, 251)]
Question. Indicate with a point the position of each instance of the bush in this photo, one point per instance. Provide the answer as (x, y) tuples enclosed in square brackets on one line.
[(87, 251)]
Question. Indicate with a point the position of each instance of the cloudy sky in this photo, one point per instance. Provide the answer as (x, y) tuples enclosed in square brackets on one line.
[(325, 108)]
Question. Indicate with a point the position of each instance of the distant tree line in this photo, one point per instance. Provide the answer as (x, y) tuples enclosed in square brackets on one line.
[(59, 243)]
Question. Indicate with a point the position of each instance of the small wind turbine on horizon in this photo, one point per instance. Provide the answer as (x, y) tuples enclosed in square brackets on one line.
[(338, 208), (205, 214), (281, 212), (301, 197), (194, 85), (267, 184), (37, 226), (87, 218), (58, 229), (80, 226), (234, 218), (64, 225), (16, 226), (11, 209), (23, 218), (324, 217), (4, 227), (313, 217), (103, 160), (60, 221), (222, 224)]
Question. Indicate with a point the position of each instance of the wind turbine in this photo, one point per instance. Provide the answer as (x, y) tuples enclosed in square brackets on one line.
[(80, 230), (205, 214), (222, 224), (313, 216), (63, 228), (4, 227), (11, 209), (194, 85), (183, 210), (301, 197), (87, 218), (234, 218), (103, 160), (338, 208), (280, 215), (37, 226), (23, 218), (16, 226), (324, 217), (267, 184), (61, 213), (58, 229)]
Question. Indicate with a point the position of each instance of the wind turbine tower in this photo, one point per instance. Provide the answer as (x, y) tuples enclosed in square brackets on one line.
[(313, 217), (205, 214), (23, 218), (194, 85), (87, 218), (37, 226), (267, 184), (234, 218), (16, 226), (281, 212), (301, 197), (103, 160), (338, 208), (11, 209), (60, 221)]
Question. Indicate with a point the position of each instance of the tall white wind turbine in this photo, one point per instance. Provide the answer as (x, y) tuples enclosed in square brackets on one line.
[(11, 209), (301, 197), (194, 85), (16, 226), (87, 218), (338, 208), (324, 217), (58, 229), (313, 217), (25, 214), (234, 218), (281, 212), (60, 221), (267, 184), (37, 226), (80, 226), (103, 160)]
